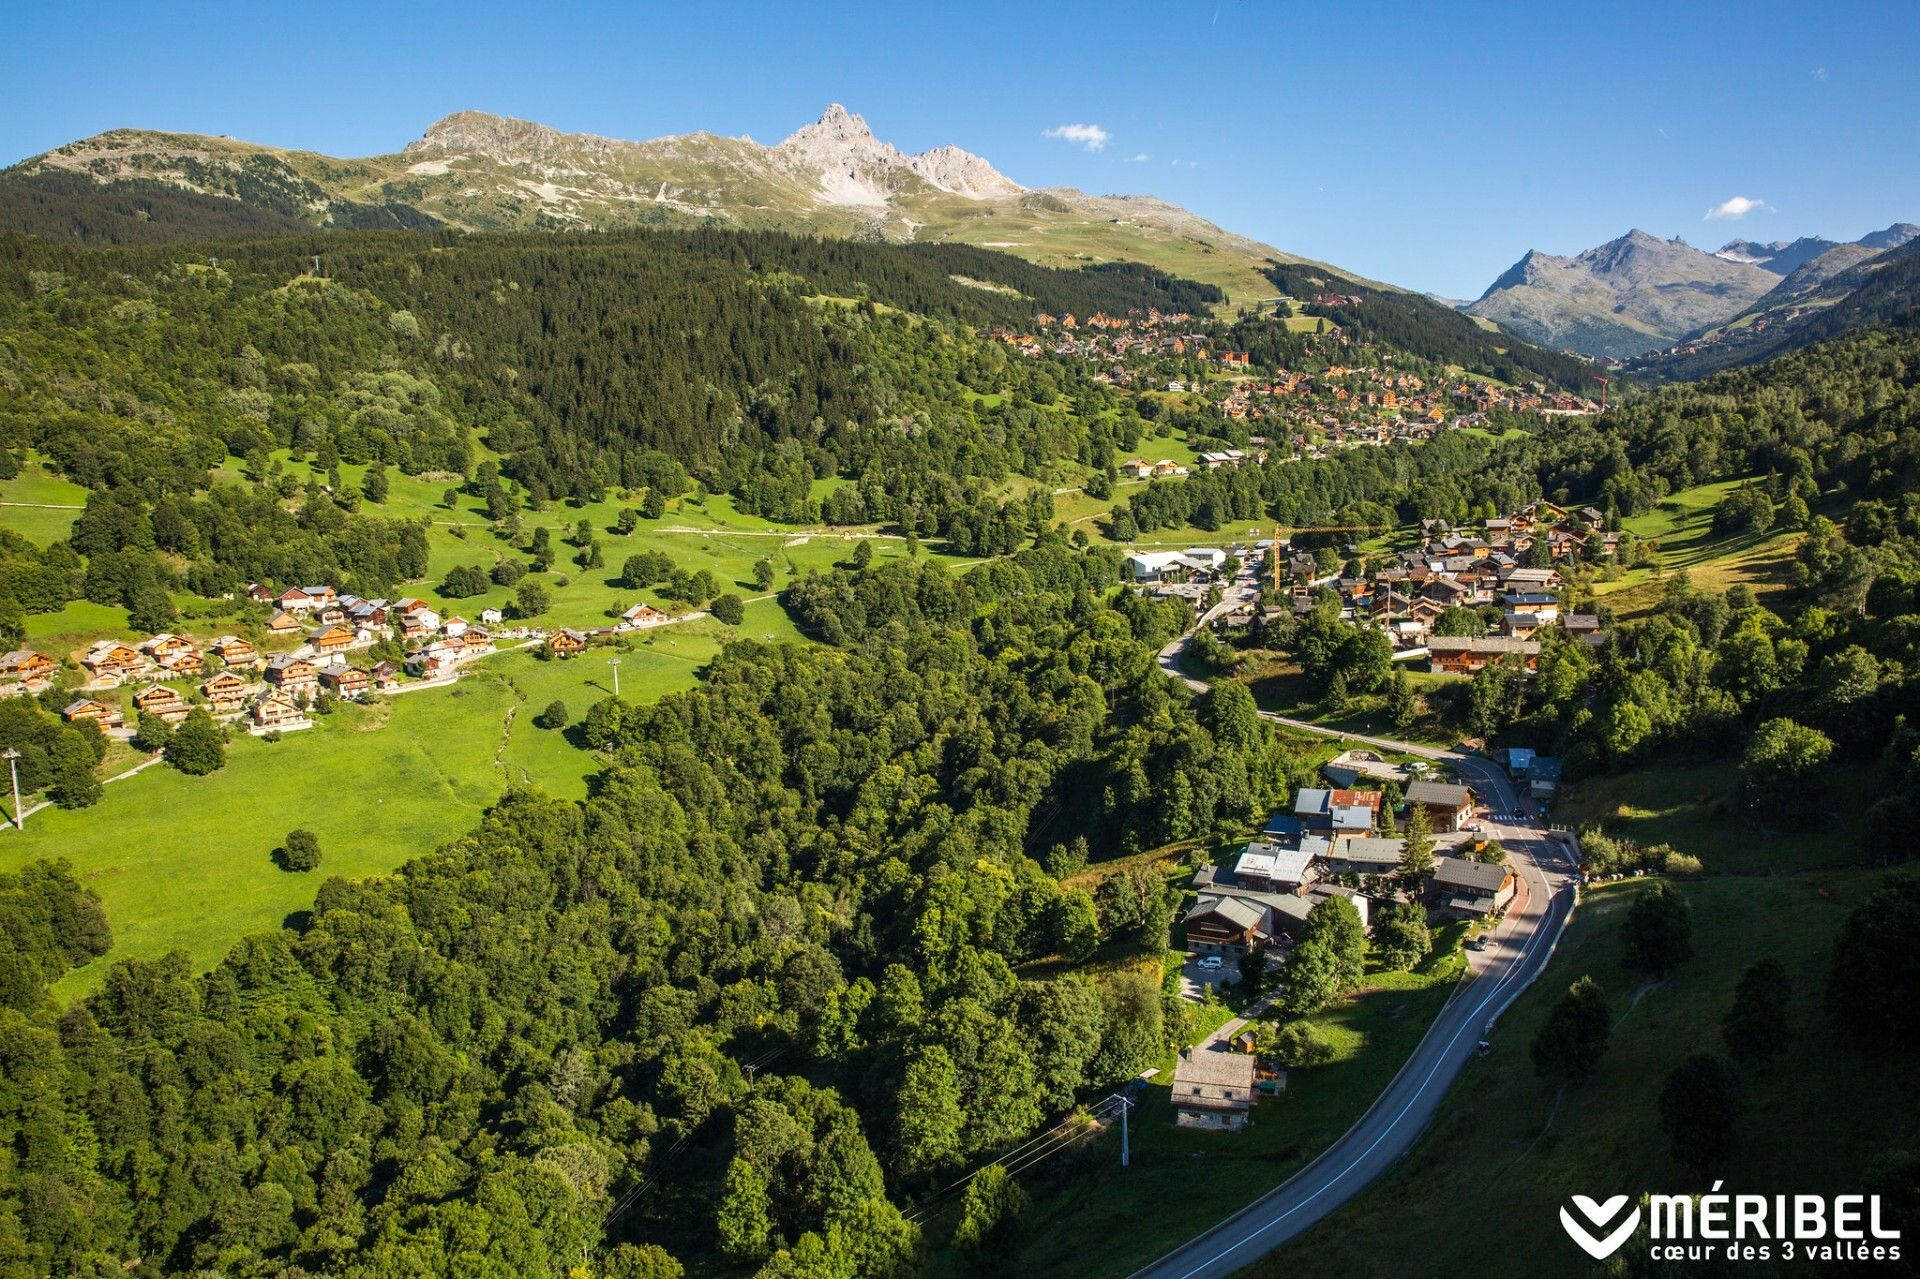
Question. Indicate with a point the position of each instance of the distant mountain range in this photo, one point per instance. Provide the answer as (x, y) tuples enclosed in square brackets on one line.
[(1847, 287), (475, 171), (1640, 293)]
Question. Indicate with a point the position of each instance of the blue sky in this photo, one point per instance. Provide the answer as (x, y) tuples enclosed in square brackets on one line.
[(1425, 144)]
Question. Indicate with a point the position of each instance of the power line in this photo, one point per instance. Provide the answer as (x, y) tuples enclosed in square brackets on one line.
[(1072, 1131)]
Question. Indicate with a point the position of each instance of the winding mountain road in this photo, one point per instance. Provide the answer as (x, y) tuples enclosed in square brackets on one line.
[(1521, 946)]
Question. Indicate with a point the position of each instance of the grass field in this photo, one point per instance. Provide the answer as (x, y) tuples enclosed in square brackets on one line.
[(39, 504), (184, 861), (657, 662), (1282, 688), (1694, 807), (1091, 1218), (1680, 531), (1480, 1193)]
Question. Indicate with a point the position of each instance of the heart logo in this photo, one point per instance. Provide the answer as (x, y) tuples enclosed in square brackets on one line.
[(1596, 1246)]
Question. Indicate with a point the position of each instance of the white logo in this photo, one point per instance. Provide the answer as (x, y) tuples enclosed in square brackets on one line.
[(1599, 1214)]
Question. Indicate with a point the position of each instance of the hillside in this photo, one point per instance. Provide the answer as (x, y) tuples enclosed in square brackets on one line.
[(1845, 289), (1426, 327), (479, 172), (1622, 298)]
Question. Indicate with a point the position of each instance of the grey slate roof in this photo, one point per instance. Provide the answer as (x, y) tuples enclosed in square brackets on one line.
[(1439, 794), (1463, 872)]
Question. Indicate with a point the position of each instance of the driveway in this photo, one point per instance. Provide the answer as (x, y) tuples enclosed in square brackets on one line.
[(1194, 979)]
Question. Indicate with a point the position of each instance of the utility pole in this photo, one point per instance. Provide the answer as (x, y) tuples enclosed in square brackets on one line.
[(615, 663), (1126, 1150), (12, 757)]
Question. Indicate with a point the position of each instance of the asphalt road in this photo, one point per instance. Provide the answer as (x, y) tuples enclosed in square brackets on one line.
[(1522, 945)]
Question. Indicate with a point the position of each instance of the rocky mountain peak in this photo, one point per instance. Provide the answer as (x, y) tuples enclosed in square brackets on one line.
[(838, 131), (505, 140), (963, 173)]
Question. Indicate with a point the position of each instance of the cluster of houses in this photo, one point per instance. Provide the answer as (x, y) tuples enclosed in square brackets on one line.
[(1330, 845), (1481, 569), (1106, 337), (333, 624), (268, 692)]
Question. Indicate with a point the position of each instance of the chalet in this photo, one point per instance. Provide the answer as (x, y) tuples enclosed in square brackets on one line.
[(1469, 889), (226, 693), (25, 666), (261, 593), (419, 621), (1584, 627), (475, 642), (566, 643), (292, 675), (110, 662), (283, 624), (1541, 603), (1335, 812), (234, 651), (1272, 868), (305, 599), (1543, 777), (1369, 855), (183, 665), (1200, 562), (1469, 655), (345, 681), (364, 615), (278, 710), (162, 700), (331, 639), (1522, 626), (386, 677), (87, 711), (436, 661), (1219, 923), (1213, 1089), (642, 615), (491, 617), (163, 647), (454, 627), (1448, 806), (1532, 579)]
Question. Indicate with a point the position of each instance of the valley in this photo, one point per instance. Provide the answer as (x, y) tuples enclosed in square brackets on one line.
[(587, 708)]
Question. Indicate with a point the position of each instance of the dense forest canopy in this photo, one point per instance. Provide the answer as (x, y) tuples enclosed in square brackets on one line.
[(1430, 329), (815, 943), (751, 364), (534, 1044)]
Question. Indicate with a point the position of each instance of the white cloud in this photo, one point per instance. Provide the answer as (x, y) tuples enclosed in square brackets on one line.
[(1138, 157), (1738, 207), (1088, 137), (1819, 73)]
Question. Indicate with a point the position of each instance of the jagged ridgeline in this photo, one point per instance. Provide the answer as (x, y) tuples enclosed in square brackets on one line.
[(755, 361), (1423, 327)]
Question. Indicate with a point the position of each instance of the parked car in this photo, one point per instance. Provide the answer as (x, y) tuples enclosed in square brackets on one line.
[(1213, 963)]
